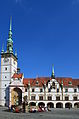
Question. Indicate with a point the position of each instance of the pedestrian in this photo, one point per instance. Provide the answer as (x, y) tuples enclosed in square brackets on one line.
[(24, 106)]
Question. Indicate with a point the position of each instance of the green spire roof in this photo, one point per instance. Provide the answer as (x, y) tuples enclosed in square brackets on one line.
[(10, 41), (2, 49), (10, 23), (10, 30), (53, 74)]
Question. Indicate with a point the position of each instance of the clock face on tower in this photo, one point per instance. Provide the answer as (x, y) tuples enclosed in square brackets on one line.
[(6, 59)]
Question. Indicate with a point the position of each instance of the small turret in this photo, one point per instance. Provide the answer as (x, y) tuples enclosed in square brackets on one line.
[(53, 74), (62, 84), (16, 54), (2, 49)]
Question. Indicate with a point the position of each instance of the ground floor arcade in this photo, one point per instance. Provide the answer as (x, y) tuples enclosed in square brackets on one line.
[(55, 104), (17, 97)]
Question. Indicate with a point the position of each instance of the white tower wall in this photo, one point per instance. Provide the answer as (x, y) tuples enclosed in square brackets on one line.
[(8, 68)]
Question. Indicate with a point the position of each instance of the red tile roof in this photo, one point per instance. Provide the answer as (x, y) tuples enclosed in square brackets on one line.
[(65, 80), (40, 81), (17, 75), (75, 82)]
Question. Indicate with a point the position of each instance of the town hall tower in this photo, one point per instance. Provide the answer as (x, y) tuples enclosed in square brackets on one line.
[(8, 68)]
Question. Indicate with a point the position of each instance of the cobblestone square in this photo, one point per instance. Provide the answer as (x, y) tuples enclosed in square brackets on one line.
[(54, 114)]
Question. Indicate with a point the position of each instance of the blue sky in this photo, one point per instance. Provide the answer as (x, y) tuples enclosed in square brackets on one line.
[(45, 32)]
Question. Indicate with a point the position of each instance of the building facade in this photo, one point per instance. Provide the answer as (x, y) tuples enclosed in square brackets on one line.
[(53, 92), (45, 91)]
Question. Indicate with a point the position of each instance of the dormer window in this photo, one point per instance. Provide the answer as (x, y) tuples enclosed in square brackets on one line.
[(37, 82), (70, 83)]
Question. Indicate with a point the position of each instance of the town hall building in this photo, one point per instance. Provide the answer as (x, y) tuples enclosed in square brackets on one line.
[(53, 92)]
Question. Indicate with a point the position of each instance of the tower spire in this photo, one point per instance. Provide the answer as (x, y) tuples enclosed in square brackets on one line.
[(10, 41), (10, 30), (53, 73), (10, 23)]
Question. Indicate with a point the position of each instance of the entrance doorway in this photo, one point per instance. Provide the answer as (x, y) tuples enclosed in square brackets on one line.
[(16, 96)]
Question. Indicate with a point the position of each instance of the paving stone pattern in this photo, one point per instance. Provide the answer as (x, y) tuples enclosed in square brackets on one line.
[(54, 114)]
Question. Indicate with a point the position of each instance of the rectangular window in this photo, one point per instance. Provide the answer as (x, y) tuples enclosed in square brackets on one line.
[(32, 97), (40, 97), (32, 89), (49, 90), (14, 62), (57, 90), (41, 90), (66, 90), (58, 98), (75, 98), (75, 90), (5, 68), (66, 98), (25, 89), (5, 77), (49, 97), (5, 85)]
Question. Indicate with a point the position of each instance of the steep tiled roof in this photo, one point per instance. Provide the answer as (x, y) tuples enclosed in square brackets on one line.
[(66, 81), (16, 75), (40, 81), (75, 82), (26, 81)]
